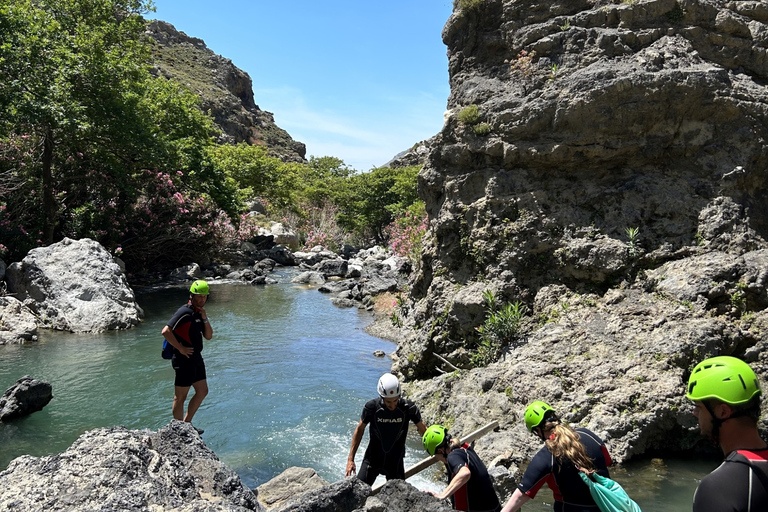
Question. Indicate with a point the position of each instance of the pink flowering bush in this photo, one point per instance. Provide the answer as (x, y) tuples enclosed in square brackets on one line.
[(317, 225), (407, 231)]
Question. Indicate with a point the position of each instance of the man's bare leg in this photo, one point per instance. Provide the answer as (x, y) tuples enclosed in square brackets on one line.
[(201, 390), (179, 397)]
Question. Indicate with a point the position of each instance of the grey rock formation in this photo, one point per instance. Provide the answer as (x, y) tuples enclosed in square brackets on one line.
[(127, 470), (287, 485), (26, 396), (333, 268), (226, 91), (613, 183), (309, 277), (342, 496), (17, 323), (400, 496), (74, 285)]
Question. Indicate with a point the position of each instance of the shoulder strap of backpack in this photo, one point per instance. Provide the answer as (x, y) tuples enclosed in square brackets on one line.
[(758, 463)]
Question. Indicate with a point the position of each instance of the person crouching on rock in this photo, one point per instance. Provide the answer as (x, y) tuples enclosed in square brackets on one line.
[(557, 463), (469, 485), (185, 332)]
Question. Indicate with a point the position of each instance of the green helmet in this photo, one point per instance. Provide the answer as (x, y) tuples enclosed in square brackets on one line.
[(535, 413), (433, 438), (726, 378), (199, 287)]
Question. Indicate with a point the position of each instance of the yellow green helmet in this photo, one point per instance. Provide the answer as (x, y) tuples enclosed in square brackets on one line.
[(535, 413), (199, 287), (433, 438), (726, 378)]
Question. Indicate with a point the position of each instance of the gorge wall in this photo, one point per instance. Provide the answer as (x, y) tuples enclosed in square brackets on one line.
[(613, 181), (225, 90)]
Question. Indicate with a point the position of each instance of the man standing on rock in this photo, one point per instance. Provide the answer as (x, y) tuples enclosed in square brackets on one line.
[(726, 394), (185, 332), (388, 417)]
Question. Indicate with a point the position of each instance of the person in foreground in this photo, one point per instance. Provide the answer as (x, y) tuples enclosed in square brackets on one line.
[(726, 396), (565, 452), (388, 417), (469, 486), (185, 332)]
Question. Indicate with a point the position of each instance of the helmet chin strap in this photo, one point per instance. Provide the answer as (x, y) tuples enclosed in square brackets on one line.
[(717, 422)]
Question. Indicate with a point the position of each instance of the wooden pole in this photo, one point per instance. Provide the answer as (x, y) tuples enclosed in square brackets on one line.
[(445, 361), (425, 463)]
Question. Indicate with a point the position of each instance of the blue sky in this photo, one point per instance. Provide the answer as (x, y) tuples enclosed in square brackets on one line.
[(360, 80)]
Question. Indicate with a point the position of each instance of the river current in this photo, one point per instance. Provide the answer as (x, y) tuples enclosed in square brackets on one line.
[(288, 375)]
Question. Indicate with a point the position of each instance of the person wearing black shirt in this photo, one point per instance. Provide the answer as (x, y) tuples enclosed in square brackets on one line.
[(388, 417), (469, 485), (726, 395), (185, 332), (566, 452)]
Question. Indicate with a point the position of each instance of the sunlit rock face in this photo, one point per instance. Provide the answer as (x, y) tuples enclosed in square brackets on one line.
[(604, 164)]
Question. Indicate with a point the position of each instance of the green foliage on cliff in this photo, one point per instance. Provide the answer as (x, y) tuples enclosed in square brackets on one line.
[(501, 324)]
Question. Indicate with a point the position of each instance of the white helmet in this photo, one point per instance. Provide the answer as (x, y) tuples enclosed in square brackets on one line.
[(389, 386)]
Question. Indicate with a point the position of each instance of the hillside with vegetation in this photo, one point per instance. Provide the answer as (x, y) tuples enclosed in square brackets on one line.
[(137, 136)]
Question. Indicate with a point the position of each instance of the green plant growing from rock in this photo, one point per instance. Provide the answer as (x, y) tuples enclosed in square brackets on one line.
[(467, 5), (553, 72), (469, 115), (482, 129), (501, 325), (632, 234), (565, 26)]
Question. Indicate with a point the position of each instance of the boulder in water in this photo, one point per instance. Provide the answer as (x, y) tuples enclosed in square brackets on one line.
[(75, 285), (26, 396)]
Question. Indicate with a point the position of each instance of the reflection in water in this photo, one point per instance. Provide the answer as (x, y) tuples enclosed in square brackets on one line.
[(288, 374)]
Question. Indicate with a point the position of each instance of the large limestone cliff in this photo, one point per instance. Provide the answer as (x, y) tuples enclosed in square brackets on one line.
[(613, 181)]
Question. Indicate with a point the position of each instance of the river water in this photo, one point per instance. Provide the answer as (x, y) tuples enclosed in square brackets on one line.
[(288, 374)]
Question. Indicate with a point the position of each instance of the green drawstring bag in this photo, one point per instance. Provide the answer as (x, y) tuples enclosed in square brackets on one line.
[(609, 495)]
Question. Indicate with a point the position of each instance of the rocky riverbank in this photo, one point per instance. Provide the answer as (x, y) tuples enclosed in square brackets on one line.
[(173, 470)]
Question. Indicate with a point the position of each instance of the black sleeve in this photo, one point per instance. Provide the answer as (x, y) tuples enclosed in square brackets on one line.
[(457, 459), (413, 412), (369, 412)]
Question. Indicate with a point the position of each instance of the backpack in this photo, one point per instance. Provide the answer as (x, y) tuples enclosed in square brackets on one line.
[(608, 494), (167, 352)]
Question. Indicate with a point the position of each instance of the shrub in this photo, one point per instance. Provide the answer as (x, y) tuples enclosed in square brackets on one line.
[(482, 129), (498, 330), (467, 5), (469, 115), (406, 233)]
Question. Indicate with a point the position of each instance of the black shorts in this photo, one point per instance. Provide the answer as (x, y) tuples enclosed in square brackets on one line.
[(393, 468), (188, 371)]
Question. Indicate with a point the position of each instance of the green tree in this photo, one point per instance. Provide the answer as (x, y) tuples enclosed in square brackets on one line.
[(65, 65), (81, 119), (372, 200)]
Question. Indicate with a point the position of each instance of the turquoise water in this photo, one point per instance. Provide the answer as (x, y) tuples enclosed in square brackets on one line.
[(288, 374)]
